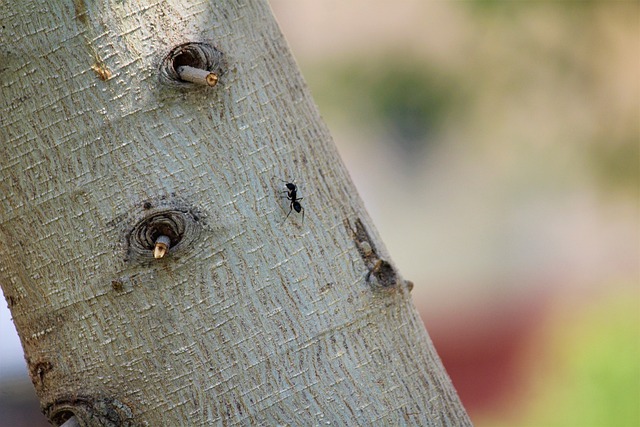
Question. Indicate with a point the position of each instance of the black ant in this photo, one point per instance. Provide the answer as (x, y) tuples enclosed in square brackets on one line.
[(292, 195)]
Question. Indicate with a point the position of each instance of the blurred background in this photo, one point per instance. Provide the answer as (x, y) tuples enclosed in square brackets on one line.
[(496, 146)]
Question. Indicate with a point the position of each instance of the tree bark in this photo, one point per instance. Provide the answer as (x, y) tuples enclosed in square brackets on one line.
[(252, 317)]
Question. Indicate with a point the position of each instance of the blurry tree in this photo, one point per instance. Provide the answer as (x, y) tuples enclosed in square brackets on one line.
[(408, 102)]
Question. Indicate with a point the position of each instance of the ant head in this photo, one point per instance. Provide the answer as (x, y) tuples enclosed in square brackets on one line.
[(290, 186)]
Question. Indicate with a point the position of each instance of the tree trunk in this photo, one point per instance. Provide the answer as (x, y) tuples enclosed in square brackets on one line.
[(258, 313)]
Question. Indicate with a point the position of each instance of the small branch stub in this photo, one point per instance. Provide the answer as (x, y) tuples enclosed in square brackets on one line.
[(71, 422), (89, 410), (166, 225), (381, 274), (162, 245), (193, 65), (197, 75)]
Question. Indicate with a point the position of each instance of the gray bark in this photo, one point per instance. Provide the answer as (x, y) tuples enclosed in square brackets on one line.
[(250, 318)]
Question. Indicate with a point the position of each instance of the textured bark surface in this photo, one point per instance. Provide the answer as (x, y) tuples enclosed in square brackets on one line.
[(248, 320)]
